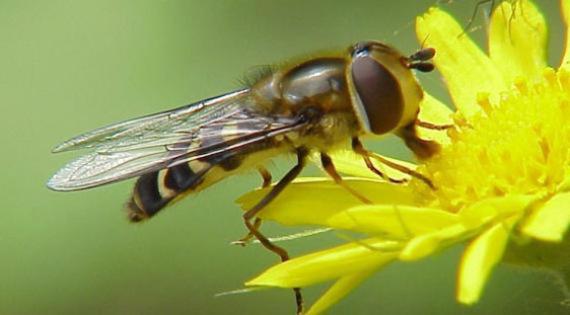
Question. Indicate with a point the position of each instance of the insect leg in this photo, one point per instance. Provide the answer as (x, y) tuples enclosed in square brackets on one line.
[(273, 193), (428, 125), (366, 155), (278, 188), (328, 165), (478, 6), (266, 183), (266, 176), (423, 149), (359, 149)]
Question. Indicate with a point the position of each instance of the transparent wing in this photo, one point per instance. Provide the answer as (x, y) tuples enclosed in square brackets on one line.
[(201, 130), (149, 128)]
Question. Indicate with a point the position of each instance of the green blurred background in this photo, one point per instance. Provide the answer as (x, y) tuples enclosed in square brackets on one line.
[(70, 66)]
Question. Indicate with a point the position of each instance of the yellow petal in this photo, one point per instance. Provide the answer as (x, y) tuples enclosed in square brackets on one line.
[(424, 245), (497, 208), (435, 112), (566, 13), (517, 40), (551, 220), (565, 184), (328, 264), (479, 259), (396, 221), (349, 163), (465, 68), (337, 291), (314, 201)]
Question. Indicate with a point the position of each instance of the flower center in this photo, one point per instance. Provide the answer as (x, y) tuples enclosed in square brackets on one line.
[(518, 145)]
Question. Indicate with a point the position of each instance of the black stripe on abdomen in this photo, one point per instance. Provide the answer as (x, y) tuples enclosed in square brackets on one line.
[(181, 177), (146, 200), (153, 192)]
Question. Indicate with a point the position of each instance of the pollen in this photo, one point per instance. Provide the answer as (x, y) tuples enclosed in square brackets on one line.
[(518, 143)]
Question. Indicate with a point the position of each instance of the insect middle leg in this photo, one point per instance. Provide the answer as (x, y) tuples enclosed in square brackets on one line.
[(273, 193), (328, 165), (367, 155)]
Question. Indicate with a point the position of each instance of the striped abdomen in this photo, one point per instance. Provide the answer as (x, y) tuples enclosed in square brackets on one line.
[(156, 190)]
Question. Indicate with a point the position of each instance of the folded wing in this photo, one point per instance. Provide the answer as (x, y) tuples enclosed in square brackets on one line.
[(166, 139)]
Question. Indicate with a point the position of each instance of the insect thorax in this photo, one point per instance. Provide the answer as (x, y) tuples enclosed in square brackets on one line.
[(319, 85)]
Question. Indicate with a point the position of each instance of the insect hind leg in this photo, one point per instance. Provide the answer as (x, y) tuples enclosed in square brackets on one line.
[(266, 176), (273, 193)]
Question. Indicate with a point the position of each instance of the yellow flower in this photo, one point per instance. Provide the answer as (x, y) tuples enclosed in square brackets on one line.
[(502, 177)]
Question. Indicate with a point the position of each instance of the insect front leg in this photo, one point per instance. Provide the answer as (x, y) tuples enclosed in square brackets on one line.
[(428, 125), (273, 193), (328, 166), (367, 156), (478, 5), (423, 149)]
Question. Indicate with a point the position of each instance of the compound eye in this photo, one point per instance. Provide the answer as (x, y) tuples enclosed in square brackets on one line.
[(381, 101)]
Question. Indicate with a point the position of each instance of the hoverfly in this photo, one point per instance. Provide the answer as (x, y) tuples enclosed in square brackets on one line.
[(316, 105)]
